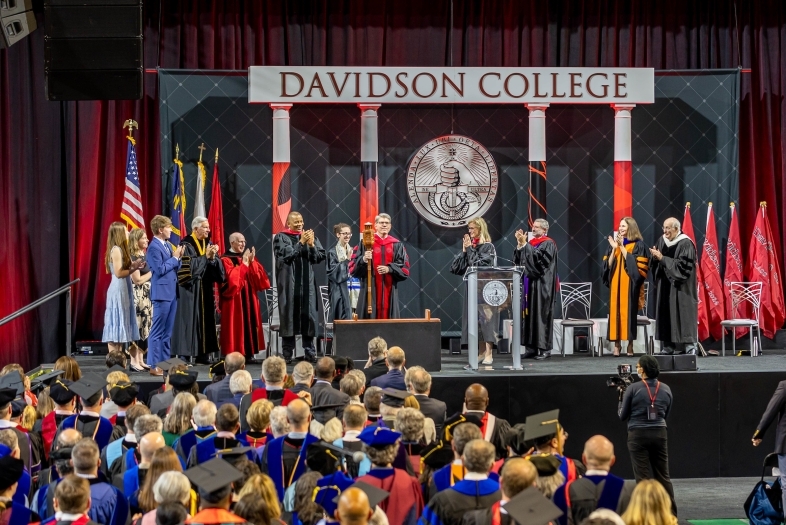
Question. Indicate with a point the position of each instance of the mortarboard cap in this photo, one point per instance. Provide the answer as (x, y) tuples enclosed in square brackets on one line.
[(63, 453), (530, 507), (218, 369), (543, 425), (378, 436), (181, 379), (545, 464), (17, 407), (437, 454), (325, 457), (60, 391), (6, 396), (341, 362), (115, 368), (455, 420), (394, 398), (515, 438), (329, 488), (11, 470), (213, 475), (13, 379), (375, 495), (124, 393), (89, 385), (231, 455), (44, 380), (169, 363)]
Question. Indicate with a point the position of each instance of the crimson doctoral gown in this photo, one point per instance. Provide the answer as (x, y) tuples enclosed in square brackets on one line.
[(388, 252), (241, 322)]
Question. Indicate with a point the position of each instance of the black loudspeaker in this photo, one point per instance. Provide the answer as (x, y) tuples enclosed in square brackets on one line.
[(455, 346), (685, 362), (665, 362), (93, 49), (17, 19)]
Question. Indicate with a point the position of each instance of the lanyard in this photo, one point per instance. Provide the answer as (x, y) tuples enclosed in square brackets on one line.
[(652, 397)]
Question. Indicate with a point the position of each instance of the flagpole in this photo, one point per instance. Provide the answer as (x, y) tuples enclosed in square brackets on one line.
[(131, 124)]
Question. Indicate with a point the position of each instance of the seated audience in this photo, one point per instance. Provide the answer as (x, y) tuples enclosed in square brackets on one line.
[(258, 418), (163, 460), (261, 487), (108, 505), (352, 387), (227, 427), (419, 383), (178, 421), (221, 392), (324, 395), (354, 422), (170, 487), (120, 447), (279, 424), (451, 474), (303, 376), (239, 385), (204, 419), (517, 475), (372, 400), (274, 374), (72, 501)]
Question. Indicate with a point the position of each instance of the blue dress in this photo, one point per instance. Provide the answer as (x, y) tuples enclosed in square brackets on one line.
[(120, 316)]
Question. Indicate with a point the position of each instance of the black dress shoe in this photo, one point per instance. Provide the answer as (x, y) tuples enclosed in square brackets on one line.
[(288, 360), (664, 352), (544, 355)]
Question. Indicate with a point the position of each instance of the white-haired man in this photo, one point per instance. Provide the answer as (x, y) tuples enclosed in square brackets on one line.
[(538, 257), (194, 335), (240, 313), (389, 266)]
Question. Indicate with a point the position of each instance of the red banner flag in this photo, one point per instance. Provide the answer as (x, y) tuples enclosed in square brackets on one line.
[(216, 215), (710, 271), (764, 268), (687, 229), (734, 270)]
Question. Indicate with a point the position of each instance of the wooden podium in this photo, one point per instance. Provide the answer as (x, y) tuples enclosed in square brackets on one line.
[(419, 338)]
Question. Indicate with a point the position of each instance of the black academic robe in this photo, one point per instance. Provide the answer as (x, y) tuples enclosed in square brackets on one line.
[(87, 426), (488, 318), (388, 252), (449, 506), (677, 305), (539, 290), (297, 289), (624, 276), (195, 320), (338, 285)]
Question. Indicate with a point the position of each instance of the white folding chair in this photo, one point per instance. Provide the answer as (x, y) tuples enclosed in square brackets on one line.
[(271, 300), (576, 297), (743, 293), (328, 326)]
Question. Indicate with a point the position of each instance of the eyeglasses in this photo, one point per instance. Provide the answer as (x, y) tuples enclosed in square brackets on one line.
[(345, 233)]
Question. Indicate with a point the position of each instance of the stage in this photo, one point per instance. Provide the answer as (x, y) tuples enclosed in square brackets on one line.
[(715, 410)]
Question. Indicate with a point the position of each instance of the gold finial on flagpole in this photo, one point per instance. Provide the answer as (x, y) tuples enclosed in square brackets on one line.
[(731, 204), (687, 204), (201, 149), (216, 154), (177, 151), (763, 204), (131, 124), (709, 204)]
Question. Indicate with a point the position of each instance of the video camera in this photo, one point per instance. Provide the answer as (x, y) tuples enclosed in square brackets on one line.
[(622, 380)]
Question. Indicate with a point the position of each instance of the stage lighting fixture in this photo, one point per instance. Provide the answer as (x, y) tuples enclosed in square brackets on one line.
[(17, 19)]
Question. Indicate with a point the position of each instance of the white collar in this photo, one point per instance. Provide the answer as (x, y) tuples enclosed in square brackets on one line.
[(86, 476), (271, 387), (324, 381), (351, 435), (458, 462), (131, 438), (63, 516), (677, 239), (89, 413), (475, 476), (64, 412), (162, 241), (595, 472), (225, 434), (7, 423)]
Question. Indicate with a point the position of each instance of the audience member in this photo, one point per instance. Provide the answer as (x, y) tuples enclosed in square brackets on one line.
[(171, 513), (649, 504), (274, 374), (372, 400), (178, 420), (419, 383), (70, 368), (116, 358), (476, 491), (394, 378), (261, 487), (227, 427), (72, 501), (352, 387), (258, 418), (120, 447), (303, 376), (239, 385), (410, 423), (252, 509), (162, 460), (550, 478), (547, 436), (451, 474), (590, 491), (220, 392), (279, 424), (376, 366), (494, 429), (204, 419), (353, 507), (324, 395), (214, 480), (108, 506), (61, 467), (517, 475), (354, 421)]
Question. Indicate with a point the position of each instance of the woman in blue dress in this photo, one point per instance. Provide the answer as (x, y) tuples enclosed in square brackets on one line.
[(120, 325)]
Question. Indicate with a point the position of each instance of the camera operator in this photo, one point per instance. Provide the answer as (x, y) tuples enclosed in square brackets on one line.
[(645, 405)]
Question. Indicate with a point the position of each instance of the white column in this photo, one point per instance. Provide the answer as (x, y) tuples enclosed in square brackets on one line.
[(622, 133), (369, 137), (537, 132), (280, 132)]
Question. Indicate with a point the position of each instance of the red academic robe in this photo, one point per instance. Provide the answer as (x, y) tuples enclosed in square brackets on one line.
[(388, 252), (405, 503), (241, 322)]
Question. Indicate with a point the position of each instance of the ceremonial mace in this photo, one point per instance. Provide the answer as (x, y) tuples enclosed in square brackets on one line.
[(368, 244)]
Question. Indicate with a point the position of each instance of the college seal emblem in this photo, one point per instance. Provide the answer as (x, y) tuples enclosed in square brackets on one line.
[(452, 179), (495, 293)]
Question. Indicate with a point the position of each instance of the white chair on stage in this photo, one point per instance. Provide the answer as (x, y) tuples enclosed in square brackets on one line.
[(271, 300), (328, 326), (576, 297), (645, 322), (743, 294)]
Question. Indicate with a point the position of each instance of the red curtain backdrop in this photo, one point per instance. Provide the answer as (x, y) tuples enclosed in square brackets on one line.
[(61, 164)]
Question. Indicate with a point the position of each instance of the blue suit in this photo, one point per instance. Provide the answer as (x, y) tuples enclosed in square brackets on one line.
[(393, 379), (163, 292)]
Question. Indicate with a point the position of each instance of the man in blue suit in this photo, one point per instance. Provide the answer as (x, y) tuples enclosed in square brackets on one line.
[(164, 262)]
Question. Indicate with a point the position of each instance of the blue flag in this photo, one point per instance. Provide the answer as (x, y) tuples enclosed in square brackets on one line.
[(178, 204)]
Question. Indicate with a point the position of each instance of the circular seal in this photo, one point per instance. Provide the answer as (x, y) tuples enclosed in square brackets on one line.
[(495, 293), (452, 179)]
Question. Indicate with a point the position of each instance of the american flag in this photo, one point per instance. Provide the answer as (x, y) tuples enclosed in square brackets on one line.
[(131, 211)]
